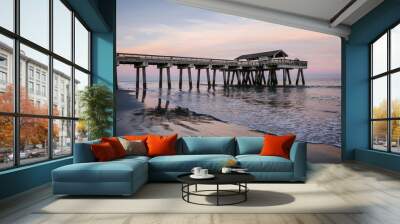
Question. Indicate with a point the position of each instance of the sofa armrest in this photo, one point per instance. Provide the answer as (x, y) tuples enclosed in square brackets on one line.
[(83, 152), (298, 155)]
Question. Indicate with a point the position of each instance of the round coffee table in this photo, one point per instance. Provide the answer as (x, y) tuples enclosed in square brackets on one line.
[(238, 179)]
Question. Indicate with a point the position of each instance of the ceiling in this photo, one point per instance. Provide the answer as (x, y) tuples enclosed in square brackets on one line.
[(333, 17)]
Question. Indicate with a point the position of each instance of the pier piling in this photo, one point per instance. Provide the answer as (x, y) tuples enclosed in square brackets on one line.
[(232, 78), (198, 78), (249, 78), (144, 77), (239, 81), (160, 79), (288, 75), (180, 78), (263, 77), (214, 76), (208, 78), (248, 74), (300, 75), (169, 77), (190, 77), (224, 77), (284, 76), (137, 77)]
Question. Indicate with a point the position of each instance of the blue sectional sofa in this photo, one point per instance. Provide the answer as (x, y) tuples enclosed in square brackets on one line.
[(125, 176)]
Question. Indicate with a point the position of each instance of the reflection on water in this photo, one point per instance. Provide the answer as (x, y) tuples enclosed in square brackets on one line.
[(312, 112), (153, 114), (143, 94)]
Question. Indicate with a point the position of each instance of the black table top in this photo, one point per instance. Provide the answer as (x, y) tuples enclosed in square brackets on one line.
[(220, 178)]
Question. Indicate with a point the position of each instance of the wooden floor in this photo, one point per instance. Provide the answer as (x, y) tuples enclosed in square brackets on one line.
[(379, 190)]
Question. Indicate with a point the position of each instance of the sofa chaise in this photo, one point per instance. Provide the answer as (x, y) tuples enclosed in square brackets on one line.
[(125, 176)]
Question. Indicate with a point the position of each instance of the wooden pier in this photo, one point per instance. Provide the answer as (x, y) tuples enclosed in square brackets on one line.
[(258, 69)]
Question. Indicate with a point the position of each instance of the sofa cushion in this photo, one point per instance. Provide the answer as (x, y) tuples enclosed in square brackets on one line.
[(83, 152), (207, 145), (135, 147), (275, 145), (249, 145), (112, 171), (161, 145), (103, 152), (185, 163), (257, 163), (116, 145)]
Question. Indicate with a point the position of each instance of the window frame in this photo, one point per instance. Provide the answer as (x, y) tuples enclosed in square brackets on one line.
[(388, 74), (16, 114)]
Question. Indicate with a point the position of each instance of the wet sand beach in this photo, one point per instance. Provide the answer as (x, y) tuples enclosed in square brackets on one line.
[(142, 113), (152, 115)]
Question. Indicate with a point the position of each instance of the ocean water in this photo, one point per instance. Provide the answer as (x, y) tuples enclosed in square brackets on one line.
[(311, 112)]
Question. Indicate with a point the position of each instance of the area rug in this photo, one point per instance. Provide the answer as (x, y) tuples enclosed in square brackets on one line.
[(166, 198)]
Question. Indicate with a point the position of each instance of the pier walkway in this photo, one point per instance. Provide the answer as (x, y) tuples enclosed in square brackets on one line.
[(258, 69)]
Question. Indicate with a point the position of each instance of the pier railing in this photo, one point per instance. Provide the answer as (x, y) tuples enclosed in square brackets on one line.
[(261, 72), (283, 62), (127, 58)]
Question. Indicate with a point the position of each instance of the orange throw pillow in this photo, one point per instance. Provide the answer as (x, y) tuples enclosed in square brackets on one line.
[(277, 145), (103, 152), (116, 145), (161, 145), (136, 137)]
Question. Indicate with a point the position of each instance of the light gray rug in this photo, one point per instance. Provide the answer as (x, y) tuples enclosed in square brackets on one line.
[(166, 198)]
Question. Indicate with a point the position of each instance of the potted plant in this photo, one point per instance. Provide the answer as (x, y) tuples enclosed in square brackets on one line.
[(96, 103)]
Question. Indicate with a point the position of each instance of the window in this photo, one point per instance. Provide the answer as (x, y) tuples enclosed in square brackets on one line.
[(379, 56), (33, 140), (30, 88), (40, 62), (6, 73), (6, 142), (47, 76), (62, 29), (55, 101), (37, 90), (62, 74), (62, 137), (3, 72), (37, 75), (385, 94), (3, 78), (81, 45), (44, 91), (81, 82), (35, 21), (30, 72), (7, 14), (395, 47), (3, 61)]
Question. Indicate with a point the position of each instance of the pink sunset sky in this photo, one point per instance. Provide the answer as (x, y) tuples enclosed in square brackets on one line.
[(166, 28)]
